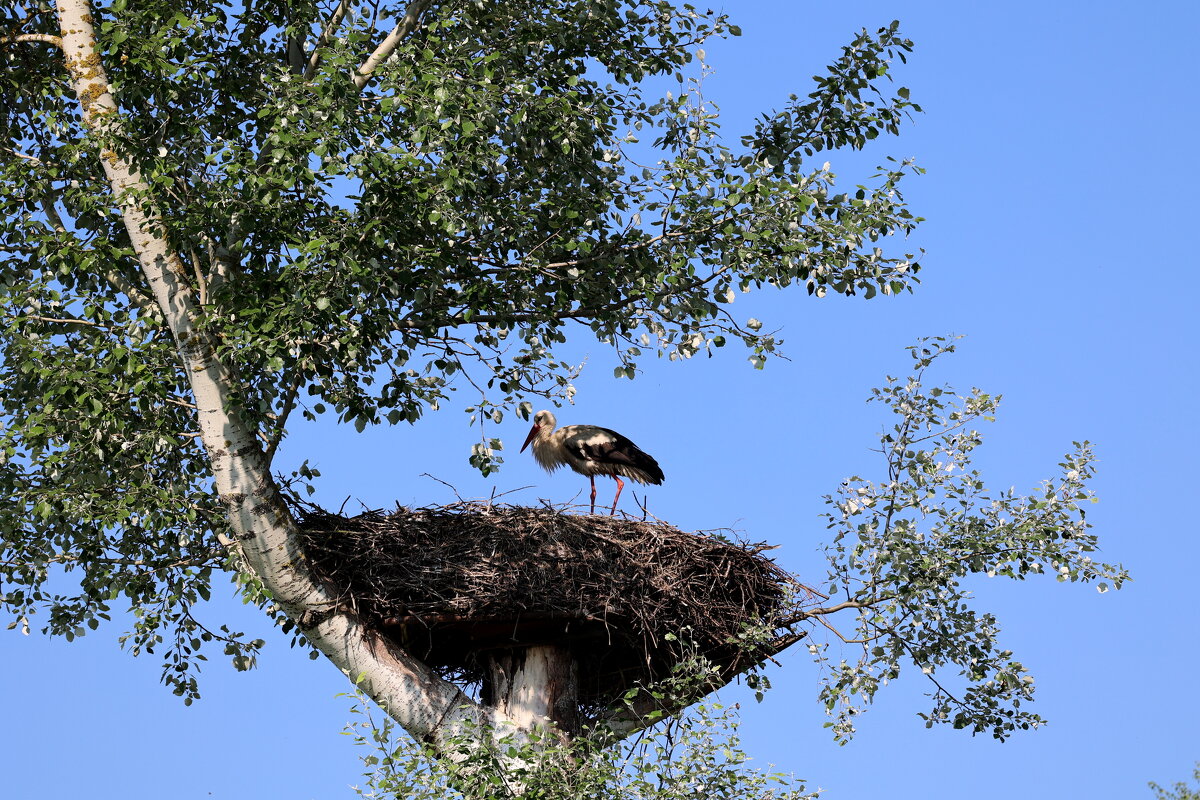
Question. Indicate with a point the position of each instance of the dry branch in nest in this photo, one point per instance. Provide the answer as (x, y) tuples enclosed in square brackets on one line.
[(451, 583)]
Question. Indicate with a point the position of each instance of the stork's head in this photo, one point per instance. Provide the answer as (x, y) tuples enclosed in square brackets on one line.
[(541, 420)]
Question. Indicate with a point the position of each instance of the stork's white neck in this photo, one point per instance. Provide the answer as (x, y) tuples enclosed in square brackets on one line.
[(547, 446)]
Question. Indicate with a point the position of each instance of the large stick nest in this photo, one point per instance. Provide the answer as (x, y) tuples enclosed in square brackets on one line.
[(630, 597)]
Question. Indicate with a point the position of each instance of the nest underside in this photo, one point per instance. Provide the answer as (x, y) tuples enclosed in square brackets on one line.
[(631, 598)]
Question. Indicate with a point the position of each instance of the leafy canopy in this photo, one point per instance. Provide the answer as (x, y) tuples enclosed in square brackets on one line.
[(363, 245), (694, 752)]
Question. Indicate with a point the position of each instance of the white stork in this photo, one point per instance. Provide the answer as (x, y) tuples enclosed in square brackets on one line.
[(591, 451)]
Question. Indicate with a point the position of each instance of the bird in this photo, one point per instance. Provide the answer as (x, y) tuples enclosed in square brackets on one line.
[(590, 450)]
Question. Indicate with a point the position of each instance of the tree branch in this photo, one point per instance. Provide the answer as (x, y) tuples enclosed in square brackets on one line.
[(19, 154), (326, 37), (65, 321), (41, 38), (136, 296), (580, 313), (221, 262), (114, 278), (408, 23), (201, 283), (63, 558), (289, 403), (47, 206), (818, 612), (648, 708)]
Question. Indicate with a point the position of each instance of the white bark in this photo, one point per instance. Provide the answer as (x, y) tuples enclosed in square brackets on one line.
[(407, 24), (535, 687), (428, 707), (326, 37)]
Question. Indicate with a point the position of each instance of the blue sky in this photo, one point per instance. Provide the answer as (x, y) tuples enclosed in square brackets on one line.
[(1059, 142)]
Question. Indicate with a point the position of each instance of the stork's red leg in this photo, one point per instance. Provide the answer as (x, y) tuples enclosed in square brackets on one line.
[(620, 486), (592, 478)]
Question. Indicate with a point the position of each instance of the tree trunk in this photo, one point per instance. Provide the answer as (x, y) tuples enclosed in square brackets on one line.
[(536, 685), (429, 708)]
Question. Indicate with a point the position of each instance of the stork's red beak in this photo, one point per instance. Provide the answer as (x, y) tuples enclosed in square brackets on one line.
[(532, 433)]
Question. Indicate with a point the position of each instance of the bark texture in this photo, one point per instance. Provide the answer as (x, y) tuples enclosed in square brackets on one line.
[(533, 686)]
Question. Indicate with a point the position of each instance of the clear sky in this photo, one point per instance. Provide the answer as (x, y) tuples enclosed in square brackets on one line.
[(1060, 142)]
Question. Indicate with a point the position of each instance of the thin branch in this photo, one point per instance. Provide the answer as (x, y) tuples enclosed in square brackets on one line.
[(289, 403), (967, 418), (47, 206), (326, 37), (42, 38), (221, 260), (115, 279), (65, 321), (19, 154), (820, 612), (908, 649), (848, 604), (182, 403), (187, 612), (408, 23), (64, 558), (201, 284), (135, 294), (581, 313), (838, 633)]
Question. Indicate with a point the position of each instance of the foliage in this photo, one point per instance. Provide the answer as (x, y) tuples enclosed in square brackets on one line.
[(359, 224), (689, 754), (364, 247), (905, 546), (697, 754), (1180, 791)]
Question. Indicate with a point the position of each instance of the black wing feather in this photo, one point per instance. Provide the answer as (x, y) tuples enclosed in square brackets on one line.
[(620, 450)]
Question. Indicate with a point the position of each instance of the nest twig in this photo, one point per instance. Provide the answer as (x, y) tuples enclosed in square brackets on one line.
[(451, 583)]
